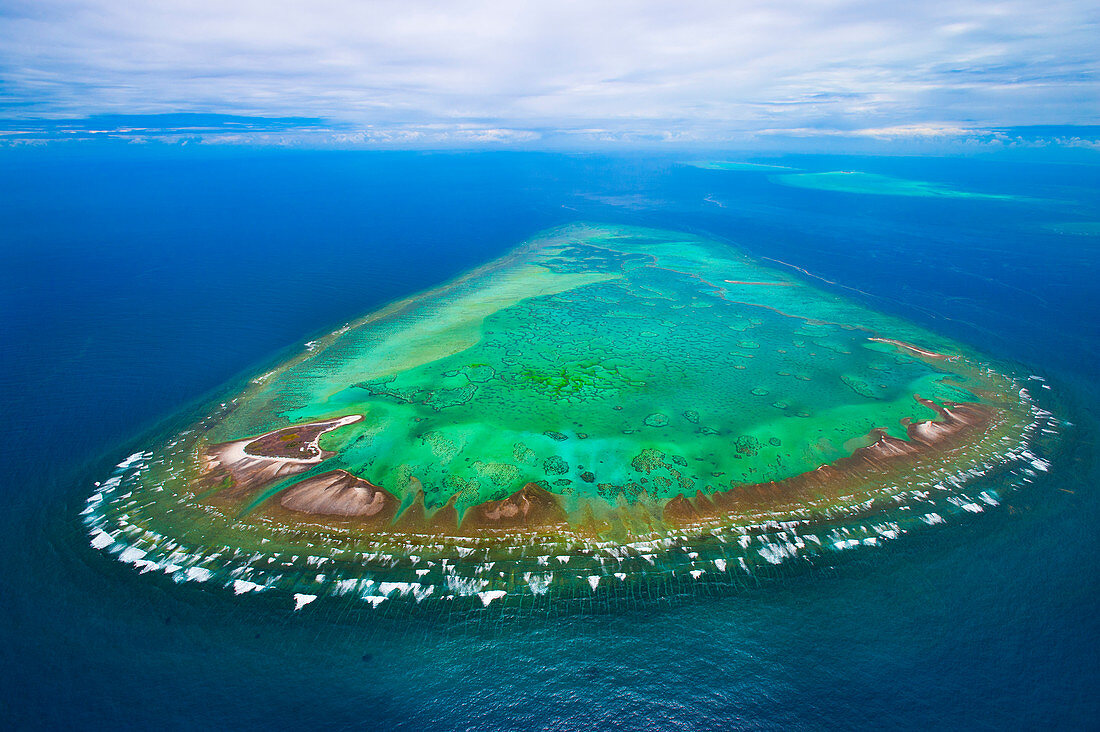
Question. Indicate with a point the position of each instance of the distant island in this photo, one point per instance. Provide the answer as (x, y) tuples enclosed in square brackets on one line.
[(604, 408)]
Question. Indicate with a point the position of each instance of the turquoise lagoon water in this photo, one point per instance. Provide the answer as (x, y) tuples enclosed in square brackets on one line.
[(855, 181)]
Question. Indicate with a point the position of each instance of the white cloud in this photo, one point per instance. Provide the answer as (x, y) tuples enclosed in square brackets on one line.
[(512, 70)]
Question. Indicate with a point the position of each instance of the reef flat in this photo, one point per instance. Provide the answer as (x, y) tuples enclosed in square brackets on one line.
[(850, 181), (736, 165), (604, 408)]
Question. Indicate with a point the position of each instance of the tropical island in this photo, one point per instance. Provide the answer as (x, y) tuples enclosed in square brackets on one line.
[(603, 407)]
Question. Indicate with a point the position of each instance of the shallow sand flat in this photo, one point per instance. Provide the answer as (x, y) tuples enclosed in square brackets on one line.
[(850, 181)]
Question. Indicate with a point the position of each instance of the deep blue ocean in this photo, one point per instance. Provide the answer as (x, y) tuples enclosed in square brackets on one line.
[(136, 282)]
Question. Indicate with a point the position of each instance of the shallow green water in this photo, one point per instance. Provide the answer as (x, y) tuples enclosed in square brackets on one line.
[(567, 362), (844, 181)]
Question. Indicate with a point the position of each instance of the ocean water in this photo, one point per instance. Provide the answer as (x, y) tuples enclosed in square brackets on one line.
[(137, 285)]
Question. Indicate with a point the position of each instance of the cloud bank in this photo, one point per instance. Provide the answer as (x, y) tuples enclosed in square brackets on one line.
[(477, 71)]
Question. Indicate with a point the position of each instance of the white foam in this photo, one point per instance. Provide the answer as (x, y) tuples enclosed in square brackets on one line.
[(487, 596), (774, 553), (594, 581), (131, 554), (146, 566), (242, 586), (130, 460), (301, 600), (721, 564), (696, 573), (345, 586), (464, 585), (539, 583), (198, 574), (101, 539), (387, 588)]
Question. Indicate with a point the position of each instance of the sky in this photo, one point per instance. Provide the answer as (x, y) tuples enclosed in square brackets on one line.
[(498, 72)]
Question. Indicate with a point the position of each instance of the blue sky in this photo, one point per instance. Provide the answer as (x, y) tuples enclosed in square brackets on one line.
[(473, 72)]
